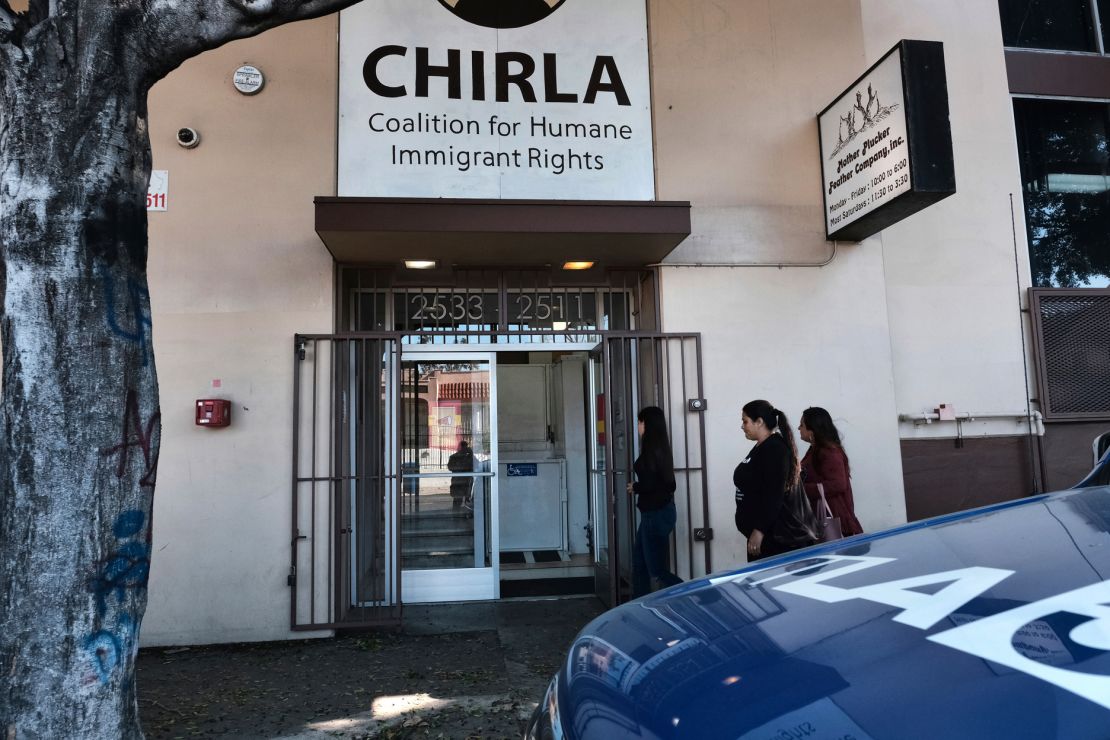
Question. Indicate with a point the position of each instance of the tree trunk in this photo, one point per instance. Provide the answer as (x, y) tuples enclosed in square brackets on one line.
[(81, 424), (81, 427)]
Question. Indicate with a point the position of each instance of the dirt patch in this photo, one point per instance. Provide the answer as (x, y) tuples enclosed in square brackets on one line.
[(481, 683)]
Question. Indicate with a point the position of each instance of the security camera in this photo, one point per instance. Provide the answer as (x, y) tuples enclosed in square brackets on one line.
[(187, 137)]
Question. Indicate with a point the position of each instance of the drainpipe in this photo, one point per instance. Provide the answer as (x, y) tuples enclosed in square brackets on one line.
[(1034, 419)]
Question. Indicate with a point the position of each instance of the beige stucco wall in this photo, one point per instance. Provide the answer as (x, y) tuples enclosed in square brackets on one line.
[(957, 271), (924, 313), (235, 270), (737, 89)]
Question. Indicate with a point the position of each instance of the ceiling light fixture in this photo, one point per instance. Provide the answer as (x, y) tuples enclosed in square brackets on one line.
[(420, 264), (577, 265)]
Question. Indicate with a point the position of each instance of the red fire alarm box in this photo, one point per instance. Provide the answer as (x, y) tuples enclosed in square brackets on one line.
[(213, 412)]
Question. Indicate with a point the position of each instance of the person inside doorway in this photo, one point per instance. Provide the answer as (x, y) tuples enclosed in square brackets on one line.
[(654, 491), (461, 461)]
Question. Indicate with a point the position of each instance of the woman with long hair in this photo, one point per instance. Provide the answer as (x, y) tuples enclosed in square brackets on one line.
[(763, 477), (825, 462), (654, 491)]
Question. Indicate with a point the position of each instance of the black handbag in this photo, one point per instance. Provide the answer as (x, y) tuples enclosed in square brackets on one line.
[(796, 526)]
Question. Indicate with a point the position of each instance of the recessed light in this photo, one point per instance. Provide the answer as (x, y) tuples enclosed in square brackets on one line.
[(577, 265), (420, 264)]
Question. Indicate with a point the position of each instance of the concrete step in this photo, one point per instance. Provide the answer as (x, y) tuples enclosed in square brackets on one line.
[(442, 529), (434, 562), (449, 545), (438, 520)]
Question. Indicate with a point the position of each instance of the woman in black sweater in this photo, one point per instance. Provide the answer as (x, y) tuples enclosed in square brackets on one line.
[(763, 476), (654, 490)]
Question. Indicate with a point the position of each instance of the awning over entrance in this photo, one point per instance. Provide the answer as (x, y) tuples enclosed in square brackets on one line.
[(500, 232)]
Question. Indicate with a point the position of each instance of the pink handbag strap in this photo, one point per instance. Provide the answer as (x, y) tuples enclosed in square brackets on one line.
[(824, 504)]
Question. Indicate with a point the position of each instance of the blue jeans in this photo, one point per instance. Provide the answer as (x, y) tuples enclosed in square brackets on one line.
[(652, 550)]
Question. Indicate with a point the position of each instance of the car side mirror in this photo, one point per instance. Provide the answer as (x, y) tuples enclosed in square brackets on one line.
[(1100, 446)]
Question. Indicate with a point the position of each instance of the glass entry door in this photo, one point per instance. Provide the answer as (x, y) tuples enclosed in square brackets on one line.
[(448, 435)]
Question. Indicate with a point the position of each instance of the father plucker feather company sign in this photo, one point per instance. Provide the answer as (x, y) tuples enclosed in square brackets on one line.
[(886, 143), (546, 99)]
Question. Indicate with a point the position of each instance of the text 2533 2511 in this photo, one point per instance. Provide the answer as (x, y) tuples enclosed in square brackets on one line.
[(524, 309)]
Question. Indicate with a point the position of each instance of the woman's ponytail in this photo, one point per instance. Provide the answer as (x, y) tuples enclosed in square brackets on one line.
[(787, 433)]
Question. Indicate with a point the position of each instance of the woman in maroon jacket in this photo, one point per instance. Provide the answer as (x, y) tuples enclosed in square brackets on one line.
[(825, 462)]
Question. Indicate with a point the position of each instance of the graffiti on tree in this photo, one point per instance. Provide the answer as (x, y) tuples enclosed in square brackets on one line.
[(107, 648), (129, 318), (126, 569), (136, 434)]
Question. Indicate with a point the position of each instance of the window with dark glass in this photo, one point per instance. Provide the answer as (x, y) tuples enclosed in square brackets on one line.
[(1065, 171), (1065, 25), (1104, 18)]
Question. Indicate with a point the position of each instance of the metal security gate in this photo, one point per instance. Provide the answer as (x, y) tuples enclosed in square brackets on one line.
[(349, 475), (1071, 336), (649, 369), (345, 568)]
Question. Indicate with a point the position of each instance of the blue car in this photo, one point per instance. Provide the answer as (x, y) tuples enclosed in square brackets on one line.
[(993, 623)]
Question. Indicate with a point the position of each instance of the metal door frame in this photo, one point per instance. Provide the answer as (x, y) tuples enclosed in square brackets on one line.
[(468, 577), (332, 610), (690, 462), (337, 465)]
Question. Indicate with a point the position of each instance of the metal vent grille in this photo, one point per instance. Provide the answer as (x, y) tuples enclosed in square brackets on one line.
[(1072, 335)]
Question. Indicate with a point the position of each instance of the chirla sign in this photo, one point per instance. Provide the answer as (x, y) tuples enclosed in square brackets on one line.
[(886, 143), (542, 99)]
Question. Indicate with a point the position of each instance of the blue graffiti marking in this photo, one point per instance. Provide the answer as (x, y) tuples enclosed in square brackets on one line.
[(106, 649), (124, 570), (129, 524), (137, 311), (128, 567)]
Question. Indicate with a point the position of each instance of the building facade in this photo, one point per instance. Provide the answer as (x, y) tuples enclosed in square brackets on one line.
[(465, 432)]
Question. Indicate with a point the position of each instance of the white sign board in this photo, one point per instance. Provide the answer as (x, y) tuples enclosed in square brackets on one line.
[(157, 192), (437, 101), (865, 157)]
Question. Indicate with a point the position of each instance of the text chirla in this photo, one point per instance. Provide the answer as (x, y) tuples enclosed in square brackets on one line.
[(510, 69)]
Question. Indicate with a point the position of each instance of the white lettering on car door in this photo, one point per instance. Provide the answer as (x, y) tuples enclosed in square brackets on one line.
[(991, 638), (918, 609)]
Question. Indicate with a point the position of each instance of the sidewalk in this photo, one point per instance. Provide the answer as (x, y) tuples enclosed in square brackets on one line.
[(453, 671)]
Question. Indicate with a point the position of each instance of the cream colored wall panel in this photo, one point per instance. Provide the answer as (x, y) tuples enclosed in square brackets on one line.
[(954, 273), (221, 507), (239, 233), (236, 269), (737, 86), (799, 338)]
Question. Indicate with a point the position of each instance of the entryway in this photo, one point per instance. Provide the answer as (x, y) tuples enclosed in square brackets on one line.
[(482, 466), (495, 486)]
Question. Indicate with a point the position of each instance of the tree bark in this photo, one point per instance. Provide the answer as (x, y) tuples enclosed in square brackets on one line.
[(80, 428), (80, 425)]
